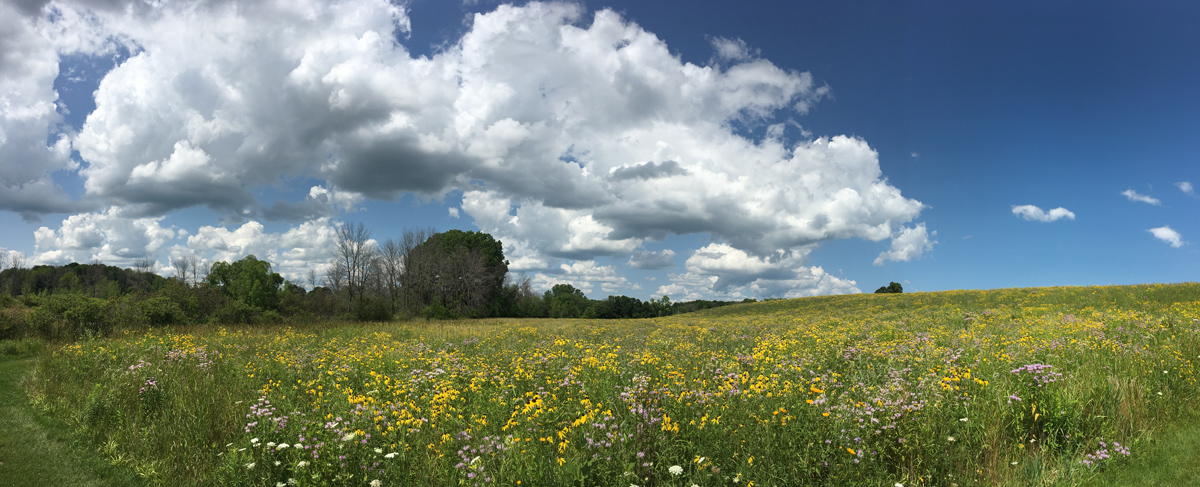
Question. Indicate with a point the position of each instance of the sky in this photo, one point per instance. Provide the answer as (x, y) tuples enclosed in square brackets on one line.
[(700, 150)]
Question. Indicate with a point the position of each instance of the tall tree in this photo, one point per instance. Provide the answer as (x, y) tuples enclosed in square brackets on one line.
[(353, 251), (181, 266), (249, 280), (462, 271), (194, 265)]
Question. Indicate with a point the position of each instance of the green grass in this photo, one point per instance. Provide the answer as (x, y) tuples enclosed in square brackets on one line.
[(1171, 458), (771, 392), (35, 450)]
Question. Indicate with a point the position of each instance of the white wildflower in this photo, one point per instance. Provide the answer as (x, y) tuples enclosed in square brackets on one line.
[(292, 481), (277, 463), (283, 446), (349, 436), (376, 483), (675, 470), (963, 420), (249, 465), (270, 444), (302, 464), (390, 456), (280, 484), (378, 451)]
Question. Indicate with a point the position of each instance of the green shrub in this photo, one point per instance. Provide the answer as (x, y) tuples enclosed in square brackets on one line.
[(25, 347), (436, 311), (371, 310), (161, 311), (125, 313), (14, 322), (235, 312)]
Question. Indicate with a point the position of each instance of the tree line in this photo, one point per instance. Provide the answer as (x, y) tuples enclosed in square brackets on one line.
[(421, 274)]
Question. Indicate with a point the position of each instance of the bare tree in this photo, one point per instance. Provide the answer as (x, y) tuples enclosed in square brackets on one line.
[(3, 258), (143, 265), (16, 260), (354, 253), (194, 265), (335, 277), (391, 267), (181, 265), (410, 240), (312, 278)]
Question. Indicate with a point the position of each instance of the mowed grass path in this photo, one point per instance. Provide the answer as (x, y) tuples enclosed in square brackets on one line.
[(37, 451), (1172, 459)]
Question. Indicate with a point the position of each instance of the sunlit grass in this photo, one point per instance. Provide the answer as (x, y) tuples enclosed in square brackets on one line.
[(1014, 386)]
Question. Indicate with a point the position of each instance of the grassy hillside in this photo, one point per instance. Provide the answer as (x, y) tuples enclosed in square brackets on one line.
[(1012, 387)]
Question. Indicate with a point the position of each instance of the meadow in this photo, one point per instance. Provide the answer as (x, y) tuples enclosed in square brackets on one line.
[(1042, 386)]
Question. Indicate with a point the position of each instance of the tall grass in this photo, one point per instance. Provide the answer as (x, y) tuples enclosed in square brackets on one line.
[(1009, 387)]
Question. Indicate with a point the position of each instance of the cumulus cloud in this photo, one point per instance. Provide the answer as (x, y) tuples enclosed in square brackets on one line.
[(720, 270), (587, 276), (1033, 213), (908, 244), (1135, 196), (291, 252), (726, 49), (652, 260), (1187, 188), (611, 141), (1168, 235), (110, 236), (33, 142)]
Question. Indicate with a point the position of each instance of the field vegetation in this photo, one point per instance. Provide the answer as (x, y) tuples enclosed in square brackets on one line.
[(1009, 387)]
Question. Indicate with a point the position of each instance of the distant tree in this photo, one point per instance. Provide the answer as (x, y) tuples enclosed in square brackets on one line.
[(353, 250), (311, 278), (391, 268), (565, 301), (248, 280), (16, 260), (460, 271), (194, 265), (335, 277), (893, 288), (181, 266)]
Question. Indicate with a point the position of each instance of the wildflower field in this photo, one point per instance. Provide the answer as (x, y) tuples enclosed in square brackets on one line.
[(1019, 386)]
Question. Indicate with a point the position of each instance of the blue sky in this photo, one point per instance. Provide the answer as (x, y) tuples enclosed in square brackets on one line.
[(699, 149)]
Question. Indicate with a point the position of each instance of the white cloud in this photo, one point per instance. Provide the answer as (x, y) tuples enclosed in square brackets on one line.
[(1135, 196), (110, 236), (1187, 188), (911, 243), (453, 212), (726, 49), (1033, 213), (585, 276), (609, 142), (33, 143), (722, 271), (1166, 234), (292, 252)]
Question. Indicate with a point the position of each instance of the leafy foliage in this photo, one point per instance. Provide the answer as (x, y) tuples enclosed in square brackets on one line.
[(893, 288), (248, 280)]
